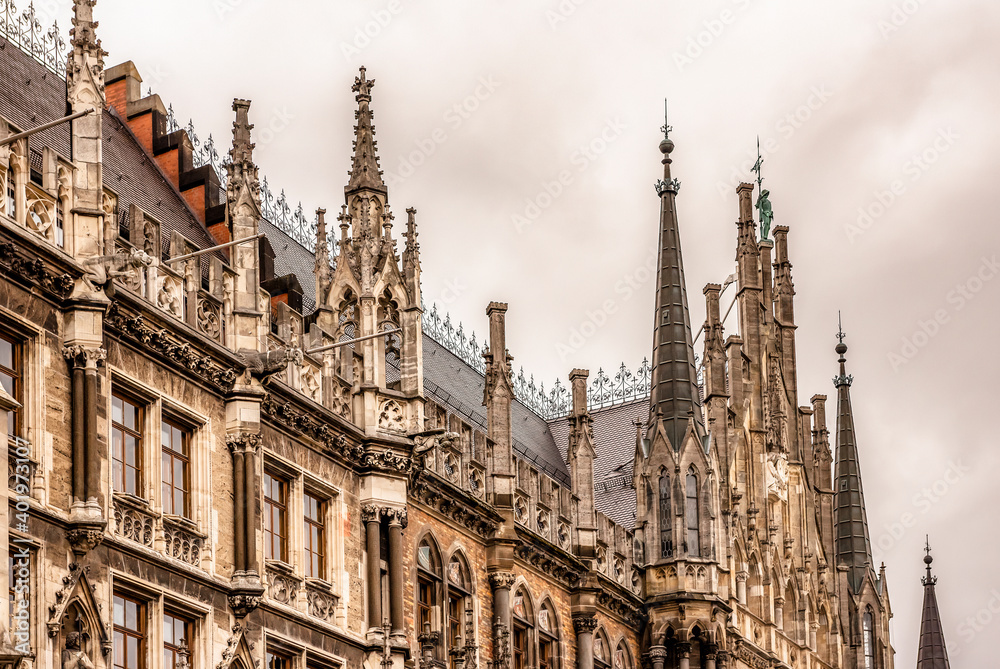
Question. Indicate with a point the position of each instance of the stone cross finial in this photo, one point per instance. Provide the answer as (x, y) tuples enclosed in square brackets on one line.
[(666, 127), (363, 86)]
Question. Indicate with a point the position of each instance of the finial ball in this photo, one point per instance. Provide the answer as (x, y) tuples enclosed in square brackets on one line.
[(666, 146), (928, 559), (841, 348)]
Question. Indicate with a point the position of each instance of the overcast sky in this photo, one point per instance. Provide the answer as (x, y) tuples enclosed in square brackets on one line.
[(878, 122)]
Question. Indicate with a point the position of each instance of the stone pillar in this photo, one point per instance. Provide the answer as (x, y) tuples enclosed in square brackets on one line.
[(741, 587), (658, 656), (371, 516), (397, 521), (779, 612), (710, 655), (239, 509), (584, 627), (500, 582), (813, 627), (684, 655)]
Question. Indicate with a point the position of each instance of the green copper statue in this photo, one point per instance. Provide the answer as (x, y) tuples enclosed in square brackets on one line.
[(764, 212)]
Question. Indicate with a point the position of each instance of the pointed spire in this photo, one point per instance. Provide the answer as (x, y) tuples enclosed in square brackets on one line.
[(675, 394), (85, 63), (241, 171), (322, 268), (853, 546), (365, 172), (933, 653)]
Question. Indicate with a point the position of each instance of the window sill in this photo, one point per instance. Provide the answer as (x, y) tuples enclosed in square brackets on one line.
[(131, 500)]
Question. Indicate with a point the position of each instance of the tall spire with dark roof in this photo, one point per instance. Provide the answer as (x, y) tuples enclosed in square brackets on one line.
[(675, 395), (365, 172), (853, 546), (933, 653)]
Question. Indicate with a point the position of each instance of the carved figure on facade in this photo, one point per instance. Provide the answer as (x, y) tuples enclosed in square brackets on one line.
[(103, 270)]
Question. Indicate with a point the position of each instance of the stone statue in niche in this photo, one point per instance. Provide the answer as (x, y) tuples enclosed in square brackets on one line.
[(74, 656)]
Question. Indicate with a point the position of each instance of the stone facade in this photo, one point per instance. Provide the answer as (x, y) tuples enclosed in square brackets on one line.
[(211, 470)]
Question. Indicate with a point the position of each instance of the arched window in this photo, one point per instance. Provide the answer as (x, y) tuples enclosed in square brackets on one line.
[(548, 637), (459, 593), (623, 659), (602, 651), (523, 628), (388, 311), (666, 519), (868, 638), (755, 587), (691, 514), (428, 585), (348, 323)]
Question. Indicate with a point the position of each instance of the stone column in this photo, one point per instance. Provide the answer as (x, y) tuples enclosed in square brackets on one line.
[(397, 521), (684, 655), (250, 500), (710, 655), (371, 516), (584, 627), (722, 659), (239, 507), (500, 582), (813, 627), (741, 587), (779, 612), (658, 656)]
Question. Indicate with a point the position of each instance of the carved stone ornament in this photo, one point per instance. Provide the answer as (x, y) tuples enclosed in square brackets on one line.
[(133, 328), (80, 355), (33, 271), (84, 538), (501, 580), (247, 442), (242, 603), (584, 624)]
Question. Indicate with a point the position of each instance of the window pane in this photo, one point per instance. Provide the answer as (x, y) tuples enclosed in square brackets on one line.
[(6, 354)]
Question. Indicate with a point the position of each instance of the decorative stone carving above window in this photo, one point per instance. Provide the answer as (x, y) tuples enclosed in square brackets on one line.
[(320, 602), (390, 417), (282, 585), (520, 510), (132, 523), (182, 542)]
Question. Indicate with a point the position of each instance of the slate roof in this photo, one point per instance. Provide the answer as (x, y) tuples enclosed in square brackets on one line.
[(31, 95), (614, 438)]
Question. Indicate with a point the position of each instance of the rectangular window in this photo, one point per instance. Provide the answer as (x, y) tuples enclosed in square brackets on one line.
[(520, 647), (60, 230), (11, 194), (277, 660), (10, 379), (314, 511), (456, 610), (177, 632), (546, 654), (130, 633), (275, 518), (425, 603), (126, 446), (175, 468)]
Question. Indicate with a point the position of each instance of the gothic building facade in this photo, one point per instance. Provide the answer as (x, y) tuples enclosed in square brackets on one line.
[(235, 445)]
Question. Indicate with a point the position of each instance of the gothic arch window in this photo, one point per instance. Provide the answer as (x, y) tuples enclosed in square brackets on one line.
[(459, 602), (623, 659), (666, 518), (10, 201), (348, 322), (428, 587), (523, 629), (388, 320), (602, 650), (790, 613), (691, 513), (868, 637), (548, 637)]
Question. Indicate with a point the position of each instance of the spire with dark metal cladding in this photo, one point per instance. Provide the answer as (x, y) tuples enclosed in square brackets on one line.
[(365, 172), (675, 397), (853, 546), (933, 653)]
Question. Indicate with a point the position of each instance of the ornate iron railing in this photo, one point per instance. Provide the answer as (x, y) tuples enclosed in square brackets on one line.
[(603, 391), (25, 30)]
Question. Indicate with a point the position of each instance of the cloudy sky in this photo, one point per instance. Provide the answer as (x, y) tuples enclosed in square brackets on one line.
[(525, 133)]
